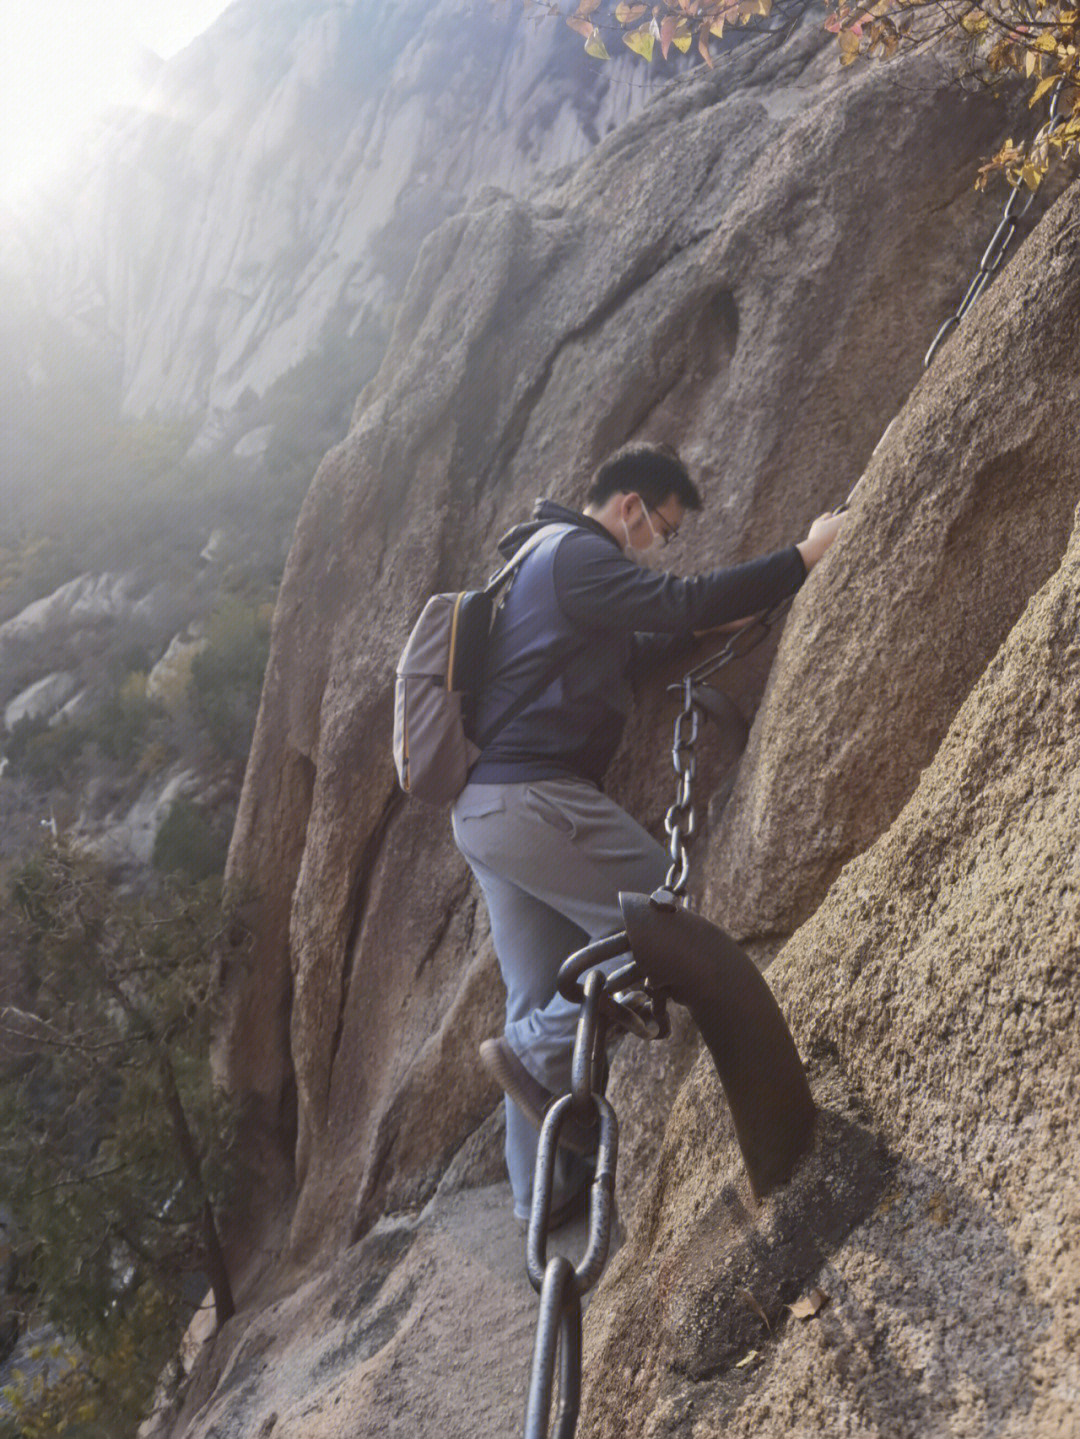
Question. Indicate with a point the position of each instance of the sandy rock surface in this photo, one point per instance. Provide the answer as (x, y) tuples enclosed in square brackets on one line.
[(935, 994), (423, 1328), (963, 512)]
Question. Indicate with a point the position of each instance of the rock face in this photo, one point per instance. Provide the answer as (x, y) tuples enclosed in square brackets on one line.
[(964, 510), (349, 1352), (68, 631), (651, 293), (727, 271), (43, 698), (934, 993)]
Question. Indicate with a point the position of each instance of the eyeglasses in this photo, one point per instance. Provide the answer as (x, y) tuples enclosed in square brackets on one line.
[(669, 531)]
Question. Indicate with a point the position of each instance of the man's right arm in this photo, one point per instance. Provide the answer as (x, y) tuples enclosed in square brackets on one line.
[(598, 588)]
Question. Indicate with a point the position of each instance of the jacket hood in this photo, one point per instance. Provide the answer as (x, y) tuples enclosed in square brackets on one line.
[(547, 512)]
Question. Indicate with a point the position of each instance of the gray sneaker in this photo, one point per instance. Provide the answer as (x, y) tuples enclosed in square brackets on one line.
[(530, 1096)]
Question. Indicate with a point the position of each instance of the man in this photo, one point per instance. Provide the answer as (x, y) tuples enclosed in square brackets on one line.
[(550, 850)]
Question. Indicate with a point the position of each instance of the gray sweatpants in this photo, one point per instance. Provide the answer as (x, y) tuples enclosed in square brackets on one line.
[(551, 857)]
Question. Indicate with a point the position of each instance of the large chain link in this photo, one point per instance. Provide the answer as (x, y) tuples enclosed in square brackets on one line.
[(622, 1001), (1016, 207)]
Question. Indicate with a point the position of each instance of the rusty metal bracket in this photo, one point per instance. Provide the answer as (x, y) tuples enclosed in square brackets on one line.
[(696, 964)]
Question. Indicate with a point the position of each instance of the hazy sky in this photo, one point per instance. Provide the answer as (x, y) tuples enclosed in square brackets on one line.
[(61, 60)]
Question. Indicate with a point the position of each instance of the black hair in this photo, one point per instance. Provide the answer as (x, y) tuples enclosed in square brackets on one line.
[(654, 472)]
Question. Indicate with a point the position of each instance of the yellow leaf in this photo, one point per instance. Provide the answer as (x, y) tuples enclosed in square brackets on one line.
[(641, 42), (1041, 89), (1030, 177), (683, 38), (1046, 44), (717, 27), (849, 47), (809, 1305), (974, 22), (746, 1359), (628, 14), (595, 47)]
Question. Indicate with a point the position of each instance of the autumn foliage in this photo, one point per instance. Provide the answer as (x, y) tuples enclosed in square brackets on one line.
[(649, 30), (1034, 41)]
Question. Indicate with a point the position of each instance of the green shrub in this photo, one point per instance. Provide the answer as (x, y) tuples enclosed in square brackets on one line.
[(103, 1394), (116, 1148), (227, 677), (47, 755), (120, 726), (188, 844)]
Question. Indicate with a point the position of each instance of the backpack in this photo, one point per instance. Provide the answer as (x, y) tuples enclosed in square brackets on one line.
[(438, 681)]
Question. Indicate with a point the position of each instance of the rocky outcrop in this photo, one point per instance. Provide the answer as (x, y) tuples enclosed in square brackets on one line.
[(726, 271), (43, 698), (170, 677), (934, 994), (963, 511), (68, 630), (652, 293)]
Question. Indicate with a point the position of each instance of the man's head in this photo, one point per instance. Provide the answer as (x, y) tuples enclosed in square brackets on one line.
[(640, 494)]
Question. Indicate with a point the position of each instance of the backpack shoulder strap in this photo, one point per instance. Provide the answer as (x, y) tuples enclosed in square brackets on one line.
[(500, 576), (552, 670)]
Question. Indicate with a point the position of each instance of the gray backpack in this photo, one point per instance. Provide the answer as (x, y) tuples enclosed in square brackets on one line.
[(438, 681)]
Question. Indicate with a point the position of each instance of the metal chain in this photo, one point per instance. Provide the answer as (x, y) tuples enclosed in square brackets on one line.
[(622, 1000), (680, 822), (617, 1001), (1016, 207)]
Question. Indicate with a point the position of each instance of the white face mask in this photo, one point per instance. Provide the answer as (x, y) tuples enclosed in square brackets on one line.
[(638, 556)]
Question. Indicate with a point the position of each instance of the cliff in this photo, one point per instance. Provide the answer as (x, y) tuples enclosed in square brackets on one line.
[(751, 268)]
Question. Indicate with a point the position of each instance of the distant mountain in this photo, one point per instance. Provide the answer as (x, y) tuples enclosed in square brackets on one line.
[(267, 205)]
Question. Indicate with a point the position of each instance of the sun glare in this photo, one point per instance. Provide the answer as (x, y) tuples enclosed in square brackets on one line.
[(63, 61)]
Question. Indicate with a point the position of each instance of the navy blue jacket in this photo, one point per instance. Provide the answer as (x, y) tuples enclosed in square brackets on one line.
[(578, 595)]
